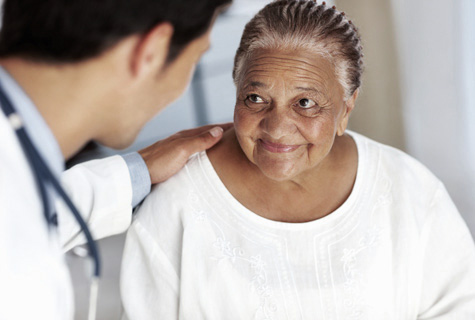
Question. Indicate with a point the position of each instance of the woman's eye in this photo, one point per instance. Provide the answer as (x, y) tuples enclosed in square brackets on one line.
[(306, 103), (254, 98)]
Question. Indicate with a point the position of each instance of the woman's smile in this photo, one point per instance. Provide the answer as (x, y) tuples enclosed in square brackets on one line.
[(277, 147), (289, 109)]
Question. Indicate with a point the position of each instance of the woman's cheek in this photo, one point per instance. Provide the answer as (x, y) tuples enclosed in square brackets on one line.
[(246, 128), (321, 136), (321, 126), (244, 121)]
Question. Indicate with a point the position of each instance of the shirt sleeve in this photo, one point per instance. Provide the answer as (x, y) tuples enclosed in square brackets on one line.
[(102, 192), (139, 175), (448, 263)]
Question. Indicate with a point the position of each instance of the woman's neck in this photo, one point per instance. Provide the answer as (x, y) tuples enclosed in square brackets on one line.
[(309, 196)]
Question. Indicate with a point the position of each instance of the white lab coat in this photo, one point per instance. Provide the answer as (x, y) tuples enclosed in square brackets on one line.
[(34, 279)]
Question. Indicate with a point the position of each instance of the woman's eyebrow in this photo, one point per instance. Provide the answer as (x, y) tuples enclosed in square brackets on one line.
[(255, 84), (320, 93), (307, 89)]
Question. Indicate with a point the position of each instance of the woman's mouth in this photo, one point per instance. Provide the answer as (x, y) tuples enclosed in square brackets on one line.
[(277, 147)]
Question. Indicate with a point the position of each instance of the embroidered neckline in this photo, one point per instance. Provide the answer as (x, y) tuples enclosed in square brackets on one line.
[(226, 197)]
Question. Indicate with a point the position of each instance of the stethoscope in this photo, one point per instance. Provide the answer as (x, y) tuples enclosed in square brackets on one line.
[(44, 176)]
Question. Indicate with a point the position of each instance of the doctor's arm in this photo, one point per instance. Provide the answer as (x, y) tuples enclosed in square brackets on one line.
[(105, 191)]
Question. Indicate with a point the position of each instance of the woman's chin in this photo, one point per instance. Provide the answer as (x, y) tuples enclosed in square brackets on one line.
[(279, 171)]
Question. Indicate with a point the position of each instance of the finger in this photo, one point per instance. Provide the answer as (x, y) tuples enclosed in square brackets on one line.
[(196, 131), (203, 129), (226, 126), (204, 141)]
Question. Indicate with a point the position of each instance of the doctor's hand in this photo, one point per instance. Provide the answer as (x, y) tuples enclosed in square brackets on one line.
[(166, 157)]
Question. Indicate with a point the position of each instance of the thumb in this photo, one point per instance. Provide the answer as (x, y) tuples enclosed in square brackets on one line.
[(205, 140)]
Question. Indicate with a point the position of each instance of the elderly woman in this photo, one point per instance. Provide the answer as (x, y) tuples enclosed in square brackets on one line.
[(291, 216)]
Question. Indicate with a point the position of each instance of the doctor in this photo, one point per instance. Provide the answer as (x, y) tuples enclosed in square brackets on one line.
[(74, 71)]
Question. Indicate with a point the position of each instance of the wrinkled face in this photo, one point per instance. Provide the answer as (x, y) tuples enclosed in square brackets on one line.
[(288, 111)]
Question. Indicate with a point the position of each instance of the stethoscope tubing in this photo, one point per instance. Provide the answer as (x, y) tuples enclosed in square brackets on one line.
[(44, 175)]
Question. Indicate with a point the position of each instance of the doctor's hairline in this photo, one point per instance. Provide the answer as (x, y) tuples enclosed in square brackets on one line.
[(63, 32)]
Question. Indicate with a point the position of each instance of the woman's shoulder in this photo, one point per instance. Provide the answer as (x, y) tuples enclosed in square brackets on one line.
[(390, 170), (185, 179), (395, 175), (173, 195), (395, 162)]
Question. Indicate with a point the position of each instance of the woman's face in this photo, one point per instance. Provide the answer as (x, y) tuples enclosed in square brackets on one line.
[(289, 109)]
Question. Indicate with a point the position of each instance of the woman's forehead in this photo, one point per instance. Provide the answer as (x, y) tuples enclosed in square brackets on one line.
[(295, 69), (303, 67)]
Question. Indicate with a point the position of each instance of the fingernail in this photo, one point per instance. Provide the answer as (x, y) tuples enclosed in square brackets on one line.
[(216, 131)]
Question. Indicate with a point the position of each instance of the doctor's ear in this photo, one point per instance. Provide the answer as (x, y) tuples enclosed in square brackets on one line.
[(151, 51)]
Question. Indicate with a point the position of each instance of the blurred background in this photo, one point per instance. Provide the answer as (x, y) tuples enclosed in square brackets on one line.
[(418, 95)]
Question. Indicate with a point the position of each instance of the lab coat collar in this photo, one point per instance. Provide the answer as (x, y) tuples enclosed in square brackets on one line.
[(36, 127)]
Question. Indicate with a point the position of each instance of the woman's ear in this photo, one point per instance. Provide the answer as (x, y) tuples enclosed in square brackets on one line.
[(349, 106), (151, 51)]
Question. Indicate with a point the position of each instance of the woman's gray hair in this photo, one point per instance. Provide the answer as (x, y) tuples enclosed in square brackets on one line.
[(304, 24)]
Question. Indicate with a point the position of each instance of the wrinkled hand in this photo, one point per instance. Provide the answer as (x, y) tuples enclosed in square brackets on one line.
[(166, 157)]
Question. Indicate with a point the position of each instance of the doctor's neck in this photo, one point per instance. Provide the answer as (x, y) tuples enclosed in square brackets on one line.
[(72, 98)]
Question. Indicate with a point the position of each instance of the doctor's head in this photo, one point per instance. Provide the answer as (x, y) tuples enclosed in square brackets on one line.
[(148, 48), (297, 72)]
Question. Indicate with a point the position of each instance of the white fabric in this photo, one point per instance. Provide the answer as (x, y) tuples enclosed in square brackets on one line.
[(34, 279), (102, 192), (396, 249)]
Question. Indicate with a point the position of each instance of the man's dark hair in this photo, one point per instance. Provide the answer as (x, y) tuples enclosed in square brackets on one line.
[(67, 31)]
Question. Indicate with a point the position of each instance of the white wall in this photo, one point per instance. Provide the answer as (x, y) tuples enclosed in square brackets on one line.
[(436, 50)]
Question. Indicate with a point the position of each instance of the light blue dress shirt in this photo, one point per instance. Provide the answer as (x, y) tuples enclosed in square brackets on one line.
[(48, 147), (141, 183)]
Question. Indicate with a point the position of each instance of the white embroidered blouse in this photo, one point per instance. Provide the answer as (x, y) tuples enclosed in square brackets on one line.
[(396, 249)]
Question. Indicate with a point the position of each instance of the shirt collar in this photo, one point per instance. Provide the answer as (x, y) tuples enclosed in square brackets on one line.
[(36, 127)]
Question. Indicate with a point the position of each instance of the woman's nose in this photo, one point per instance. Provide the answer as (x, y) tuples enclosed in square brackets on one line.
[(277, 122)]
